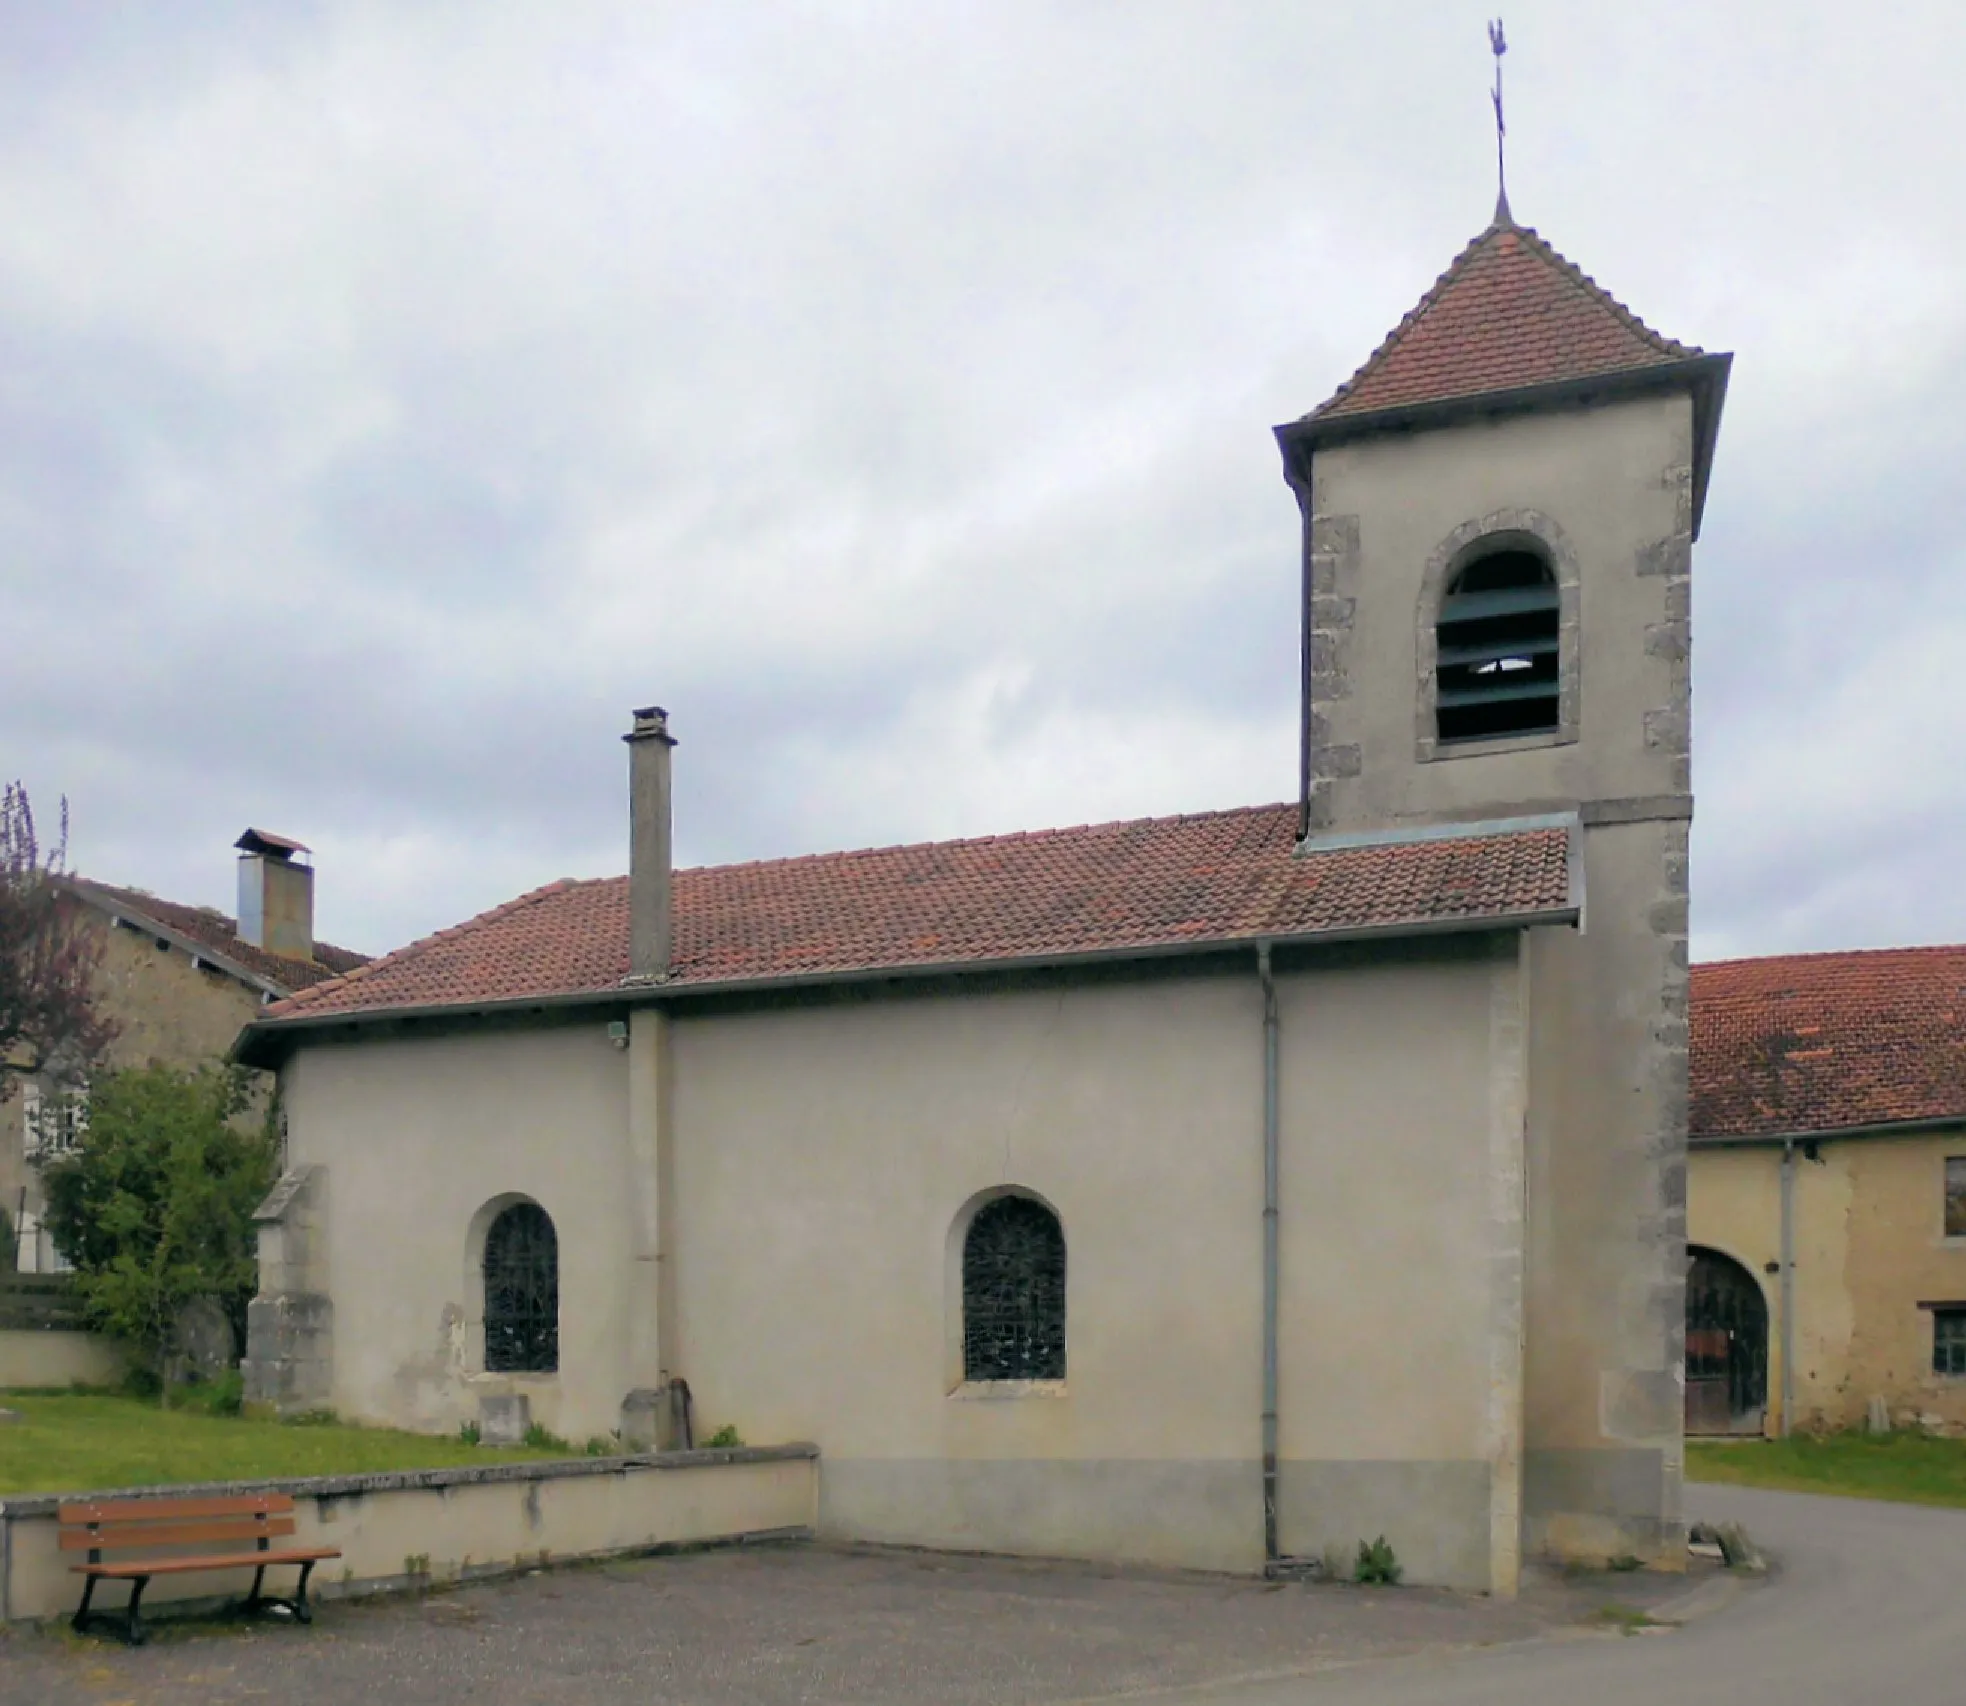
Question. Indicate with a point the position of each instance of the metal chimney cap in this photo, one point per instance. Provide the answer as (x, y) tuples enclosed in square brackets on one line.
[(651, 723), (279, 846)]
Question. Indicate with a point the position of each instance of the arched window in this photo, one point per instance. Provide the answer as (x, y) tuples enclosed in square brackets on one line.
[(522, 1292), (1014, 1293), (1496, 665)]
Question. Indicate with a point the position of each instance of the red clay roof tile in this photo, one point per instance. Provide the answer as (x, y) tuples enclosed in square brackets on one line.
[(1509, 312), (1820, 1042), (219, 932), (1117, 887)]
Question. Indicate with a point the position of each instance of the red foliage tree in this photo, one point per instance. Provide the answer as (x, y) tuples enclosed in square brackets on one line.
[(48, 960)]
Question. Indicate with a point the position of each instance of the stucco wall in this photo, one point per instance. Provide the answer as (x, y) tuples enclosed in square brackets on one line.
[(417, 1138), (1870, 1246), (1596, 487), (816, 1201), (821, 1157), (1604, 493), (34, 1357)]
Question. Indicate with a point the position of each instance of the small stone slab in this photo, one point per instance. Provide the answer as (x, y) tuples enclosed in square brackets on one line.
[(7, 1416), (503, 1419)]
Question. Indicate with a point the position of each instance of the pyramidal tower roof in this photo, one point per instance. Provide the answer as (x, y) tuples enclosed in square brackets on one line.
[(1508, 314)]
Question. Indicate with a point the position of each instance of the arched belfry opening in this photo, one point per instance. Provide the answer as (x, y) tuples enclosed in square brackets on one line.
[(1726, 1346), (1498, 660)]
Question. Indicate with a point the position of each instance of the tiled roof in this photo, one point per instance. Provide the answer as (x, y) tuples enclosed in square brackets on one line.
[(1509, 312), (1819, 1042), (1109, 888), (220, 933)]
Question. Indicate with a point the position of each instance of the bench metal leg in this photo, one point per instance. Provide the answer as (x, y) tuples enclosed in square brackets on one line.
[(81, 1621), (253, 1599), (133, 1631), (304, 1612)]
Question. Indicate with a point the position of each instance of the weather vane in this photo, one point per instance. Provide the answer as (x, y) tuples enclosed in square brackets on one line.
[(1499, 45)]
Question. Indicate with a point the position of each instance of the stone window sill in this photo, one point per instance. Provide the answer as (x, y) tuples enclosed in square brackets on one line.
[(990, 1391), (1438, 751)]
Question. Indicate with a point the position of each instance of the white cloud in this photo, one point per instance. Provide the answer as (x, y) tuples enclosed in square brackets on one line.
[(391, 397)]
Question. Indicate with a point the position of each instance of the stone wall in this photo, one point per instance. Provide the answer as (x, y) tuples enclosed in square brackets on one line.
[(428, 1527)]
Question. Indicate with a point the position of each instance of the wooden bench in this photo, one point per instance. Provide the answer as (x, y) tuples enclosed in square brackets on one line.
[(151, 1526)]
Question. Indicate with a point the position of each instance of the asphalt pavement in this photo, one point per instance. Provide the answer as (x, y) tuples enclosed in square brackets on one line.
[(1867, 1603)]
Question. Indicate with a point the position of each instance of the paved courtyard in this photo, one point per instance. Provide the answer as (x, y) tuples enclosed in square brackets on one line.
[(803, 1624)]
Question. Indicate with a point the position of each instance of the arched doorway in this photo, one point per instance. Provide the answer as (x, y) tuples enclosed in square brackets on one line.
[(1726, 1346)]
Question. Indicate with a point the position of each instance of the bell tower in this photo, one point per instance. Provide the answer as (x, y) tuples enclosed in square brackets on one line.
[(1499, 511)]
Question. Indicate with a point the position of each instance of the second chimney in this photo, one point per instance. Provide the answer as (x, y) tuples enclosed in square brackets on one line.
[(651, 912), (276, 895)]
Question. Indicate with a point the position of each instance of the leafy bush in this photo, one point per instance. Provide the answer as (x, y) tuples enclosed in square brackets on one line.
[(723, 1439), (155, 1208), (541, 1438), (1377, 1565), (225, 1396), (468, 1433)]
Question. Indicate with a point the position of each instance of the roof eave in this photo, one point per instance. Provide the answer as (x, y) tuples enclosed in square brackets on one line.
[(1922, 1126), (135, 917), (267, 1042), (1704, 377)]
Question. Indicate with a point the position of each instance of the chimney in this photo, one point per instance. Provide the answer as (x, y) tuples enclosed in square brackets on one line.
[(276, 895), (650, 905)]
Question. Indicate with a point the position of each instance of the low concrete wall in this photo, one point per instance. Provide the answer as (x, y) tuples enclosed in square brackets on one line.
[(40, 1357), (445, 1525)]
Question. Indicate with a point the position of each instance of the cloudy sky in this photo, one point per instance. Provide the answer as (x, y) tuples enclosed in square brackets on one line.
[(392, 395)]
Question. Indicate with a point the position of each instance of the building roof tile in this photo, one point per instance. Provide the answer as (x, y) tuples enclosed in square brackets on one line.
[(1803, 1043), (1140, 886), (1509, 312), (220, 933)]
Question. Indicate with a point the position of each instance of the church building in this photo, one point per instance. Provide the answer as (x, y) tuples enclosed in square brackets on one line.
[(1209, 1191)]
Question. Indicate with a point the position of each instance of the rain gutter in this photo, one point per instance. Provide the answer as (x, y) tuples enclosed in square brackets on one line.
[(259, 1043)]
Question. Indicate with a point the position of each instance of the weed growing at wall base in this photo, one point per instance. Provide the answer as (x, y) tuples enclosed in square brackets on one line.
[(1378, 1565)]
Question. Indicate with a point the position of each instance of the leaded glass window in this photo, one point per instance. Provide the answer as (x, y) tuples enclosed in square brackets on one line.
[(1014, 1293), (522, 1292), (1949, 1341)]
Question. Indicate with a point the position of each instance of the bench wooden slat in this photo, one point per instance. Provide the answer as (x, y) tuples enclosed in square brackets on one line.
[(217, 1561), (165, 1508), (130, 1537)]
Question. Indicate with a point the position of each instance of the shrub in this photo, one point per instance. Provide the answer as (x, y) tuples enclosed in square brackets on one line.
[(1377, 1565), (723, 1439), (155, 1207)]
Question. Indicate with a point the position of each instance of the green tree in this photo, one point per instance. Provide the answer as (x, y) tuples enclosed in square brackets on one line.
[(155, 1207)]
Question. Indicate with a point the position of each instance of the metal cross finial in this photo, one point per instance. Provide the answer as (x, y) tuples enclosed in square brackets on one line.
[(1499, 45)]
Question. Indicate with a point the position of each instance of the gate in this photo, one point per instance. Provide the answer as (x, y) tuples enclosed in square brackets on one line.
[(1726, 1347)]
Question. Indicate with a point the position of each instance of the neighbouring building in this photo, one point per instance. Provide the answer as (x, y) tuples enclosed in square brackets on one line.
[(1207, 1190), (1827, 1192), (178, 982)]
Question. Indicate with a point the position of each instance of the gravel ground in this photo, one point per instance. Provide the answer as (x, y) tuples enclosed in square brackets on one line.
[(777, 1625)]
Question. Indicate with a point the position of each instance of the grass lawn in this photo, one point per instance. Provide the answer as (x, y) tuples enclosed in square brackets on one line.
[(72, 1442), (1910, 1468)]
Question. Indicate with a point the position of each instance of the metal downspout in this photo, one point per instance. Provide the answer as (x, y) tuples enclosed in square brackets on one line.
[(1788, 1283), (1270, 1275)]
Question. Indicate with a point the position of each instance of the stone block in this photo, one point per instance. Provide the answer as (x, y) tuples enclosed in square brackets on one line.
[(652, 1418), (504, 1418)]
